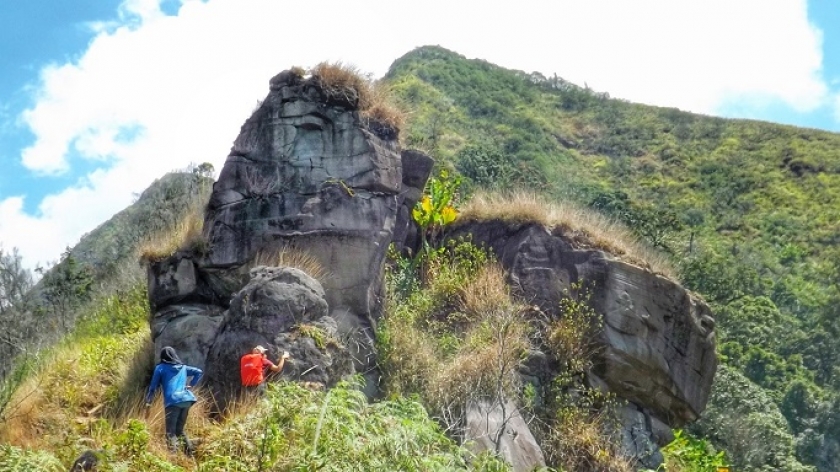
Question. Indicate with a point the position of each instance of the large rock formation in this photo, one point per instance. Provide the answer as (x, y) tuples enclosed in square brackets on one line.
[(308, 174), (305, 173), (657, 341)]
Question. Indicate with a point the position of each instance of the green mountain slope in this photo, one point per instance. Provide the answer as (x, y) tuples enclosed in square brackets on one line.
[(749, 212)]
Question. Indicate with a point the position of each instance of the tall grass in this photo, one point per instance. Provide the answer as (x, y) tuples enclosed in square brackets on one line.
[(88, 394), (186, 230), (581, 440), (455, 338), (352, 434), (585, 228)]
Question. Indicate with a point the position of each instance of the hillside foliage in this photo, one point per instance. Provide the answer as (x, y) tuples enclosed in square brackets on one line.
[(748, 212)]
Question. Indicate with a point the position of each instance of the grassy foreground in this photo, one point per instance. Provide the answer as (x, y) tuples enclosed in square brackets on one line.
[(86, 393)]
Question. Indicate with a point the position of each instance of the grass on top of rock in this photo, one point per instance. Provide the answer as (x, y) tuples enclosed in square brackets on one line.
[(585, 228), (185, 233), (290, 257), (374, 100)]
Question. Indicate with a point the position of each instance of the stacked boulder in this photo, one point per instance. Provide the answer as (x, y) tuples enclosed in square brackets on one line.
[(309, 175)]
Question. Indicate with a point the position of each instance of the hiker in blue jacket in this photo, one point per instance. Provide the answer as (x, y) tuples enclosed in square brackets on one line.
[(171, 375)]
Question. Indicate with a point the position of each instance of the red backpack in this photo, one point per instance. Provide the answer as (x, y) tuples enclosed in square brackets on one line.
[(251, 369)]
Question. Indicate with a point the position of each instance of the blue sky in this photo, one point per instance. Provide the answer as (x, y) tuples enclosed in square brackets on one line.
[(100, 97)]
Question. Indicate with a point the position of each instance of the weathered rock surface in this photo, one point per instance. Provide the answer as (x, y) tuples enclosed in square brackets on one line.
[(641, 436), (306, 174), (278, 309), (189, 328), (657, 343), (500, 428)]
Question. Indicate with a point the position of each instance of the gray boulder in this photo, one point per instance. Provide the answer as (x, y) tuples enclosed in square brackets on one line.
[(282, 309), (306, 173), (499, 428), (190, 328)]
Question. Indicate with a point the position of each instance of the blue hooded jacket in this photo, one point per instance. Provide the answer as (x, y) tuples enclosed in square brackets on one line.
[(171, 374)]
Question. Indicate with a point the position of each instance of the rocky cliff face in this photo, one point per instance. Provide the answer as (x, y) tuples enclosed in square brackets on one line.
[(306, 174), (657, 340)]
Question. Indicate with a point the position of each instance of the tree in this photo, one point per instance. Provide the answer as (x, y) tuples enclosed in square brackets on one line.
[(205, 169), (65, 286), (15, 284), (15, 281)]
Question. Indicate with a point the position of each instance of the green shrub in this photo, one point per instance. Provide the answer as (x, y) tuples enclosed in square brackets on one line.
[(299, 429), (688, 454), (14, 459)]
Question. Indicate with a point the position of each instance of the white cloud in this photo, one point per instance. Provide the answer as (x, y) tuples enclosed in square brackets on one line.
[(189, 81), (836, 107)]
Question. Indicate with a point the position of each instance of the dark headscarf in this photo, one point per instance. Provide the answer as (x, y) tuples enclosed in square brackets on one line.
[(169, 356)]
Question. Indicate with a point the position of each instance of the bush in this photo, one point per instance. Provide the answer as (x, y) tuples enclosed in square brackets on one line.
[(13, 459), (688, 454), (299, 429)]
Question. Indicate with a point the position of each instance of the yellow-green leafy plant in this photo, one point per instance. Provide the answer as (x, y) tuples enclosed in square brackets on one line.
[(437, 207), (321, 338), (688, 454)]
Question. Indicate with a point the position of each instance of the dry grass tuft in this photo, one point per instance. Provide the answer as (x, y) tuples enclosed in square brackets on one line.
[(486, 292), (587, 229), (412, 358), (486, 370), (383, 109), (345, 83), (290, 257), (23, 412), (187, 233), (517, 208), (579, 441), (374, 100), (298, 71)]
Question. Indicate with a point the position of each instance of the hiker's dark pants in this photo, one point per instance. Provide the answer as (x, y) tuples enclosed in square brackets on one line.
[(176, 418), (255, 390)]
